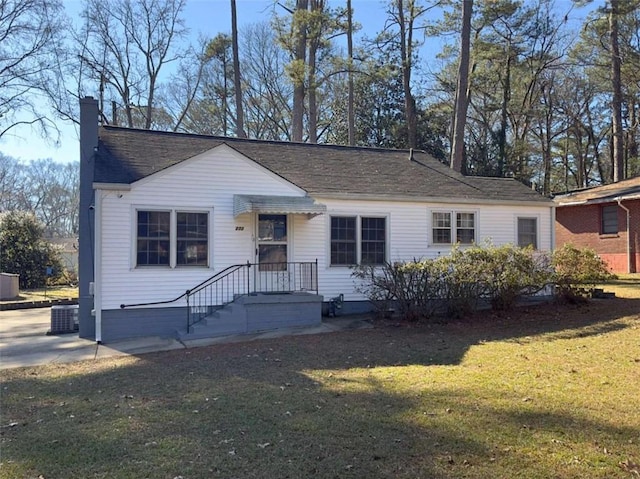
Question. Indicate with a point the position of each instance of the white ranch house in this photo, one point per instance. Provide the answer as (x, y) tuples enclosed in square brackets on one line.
[(163, 212)]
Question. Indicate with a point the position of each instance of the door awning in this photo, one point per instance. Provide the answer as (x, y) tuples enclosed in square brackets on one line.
[(276, 205)]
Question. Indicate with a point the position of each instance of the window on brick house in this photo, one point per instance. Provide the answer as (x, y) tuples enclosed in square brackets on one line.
[(609, 220)]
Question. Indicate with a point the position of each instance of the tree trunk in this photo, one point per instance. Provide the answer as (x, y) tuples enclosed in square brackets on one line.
[(300, 56), (311, 94), (616, 104), (506, 97), (406, 52), (460, 114), (240, 133), (350, 100), (314, 35), (225, 96)]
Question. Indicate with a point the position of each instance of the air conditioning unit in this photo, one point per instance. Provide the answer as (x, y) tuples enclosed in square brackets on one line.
[(64, 319)]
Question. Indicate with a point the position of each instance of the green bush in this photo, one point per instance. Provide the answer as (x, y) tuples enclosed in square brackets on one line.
[(25, 252), (457, 283), (410, 287), (460, 285), (577, 271), (509, 272)]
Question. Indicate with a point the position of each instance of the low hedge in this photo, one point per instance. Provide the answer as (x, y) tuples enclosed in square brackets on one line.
[(459, 283)]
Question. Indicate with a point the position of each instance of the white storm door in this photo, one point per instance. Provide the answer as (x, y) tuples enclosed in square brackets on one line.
[(272, 252)]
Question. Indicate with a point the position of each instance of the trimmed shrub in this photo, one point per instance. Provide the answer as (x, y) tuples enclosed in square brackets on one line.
[(457, 283), (577, 271), (408, 287), (509, 272)]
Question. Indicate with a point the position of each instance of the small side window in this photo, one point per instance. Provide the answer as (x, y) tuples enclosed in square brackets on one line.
[(609, 220), (527, 232)]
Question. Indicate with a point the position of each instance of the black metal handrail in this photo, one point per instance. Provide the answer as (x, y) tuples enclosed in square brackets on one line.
[(235, 281), (218, 290), (169, 301)]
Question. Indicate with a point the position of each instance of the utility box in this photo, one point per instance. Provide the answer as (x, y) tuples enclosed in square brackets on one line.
[(64, 319), (9, 288)]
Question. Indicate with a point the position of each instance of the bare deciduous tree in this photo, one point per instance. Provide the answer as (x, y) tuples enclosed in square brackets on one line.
[(31, 36), (124, 45), (45, 188)]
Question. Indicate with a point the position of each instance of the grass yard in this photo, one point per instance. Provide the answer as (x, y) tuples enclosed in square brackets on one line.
[(542, 392), (41, 294), (625, 286)]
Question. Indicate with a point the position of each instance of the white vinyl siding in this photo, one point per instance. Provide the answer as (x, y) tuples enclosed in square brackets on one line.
[(407, 223), (205, 183), (208, 182)]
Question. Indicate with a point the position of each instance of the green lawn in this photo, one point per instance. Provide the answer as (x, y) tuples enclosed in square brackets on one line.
[(542, 392), (52, 292)]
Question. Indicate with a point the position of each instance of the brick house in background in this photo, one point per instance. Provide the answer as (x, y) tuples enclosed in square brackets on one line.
[(606, 219)]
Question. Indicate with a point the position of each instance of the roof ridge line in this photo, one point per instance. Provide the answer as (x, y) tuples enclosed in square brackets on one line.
[(260, 140)]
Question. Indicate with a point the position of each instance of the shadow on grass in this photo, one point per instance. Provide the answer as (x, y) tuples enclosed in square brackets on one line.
[(221, 424), (292, 407)]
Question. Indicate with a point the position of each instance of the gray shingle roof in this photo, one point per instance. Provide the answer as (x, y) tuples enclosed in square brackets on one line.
[(127, 155)]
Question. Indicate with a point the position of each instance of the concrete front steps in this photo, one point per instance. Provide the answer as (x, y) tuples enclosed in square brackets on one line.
[(259, 312)]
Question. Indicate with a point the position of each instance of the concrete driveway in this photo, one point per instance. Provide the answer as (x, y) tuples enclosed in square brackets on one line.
[(24, 340)]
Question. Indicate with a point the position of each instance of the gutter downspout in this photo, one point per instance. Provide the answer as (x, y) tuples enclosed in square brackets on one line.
[(97, 278), (553, 228), (619, 200)]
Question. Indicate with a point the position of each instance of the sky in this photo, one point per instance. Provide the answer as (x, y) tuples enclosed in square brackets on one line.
[(203, 18)]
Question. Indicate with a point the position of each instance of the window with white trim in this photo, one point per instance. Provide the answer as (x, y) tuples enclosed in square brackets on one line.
[(445, 231), (609, 220), (153, 238), (358, 240), (172, 238), (192, 239), (527, 232)]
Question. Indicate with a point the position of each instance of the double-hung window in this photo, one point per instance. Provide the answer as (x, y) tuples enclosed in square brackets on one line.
[(527, 232), (153, 244), (192, 238), (609, 220), (358, 240), (450, 227), (172, 238)]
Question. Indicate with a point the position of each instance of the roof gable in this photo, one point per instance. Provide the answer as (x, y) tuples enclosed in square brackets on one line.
[(127, 155)]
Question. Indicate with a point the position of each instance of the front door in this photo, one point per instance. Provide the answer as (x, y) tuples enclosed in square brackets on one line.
[(271, 253)]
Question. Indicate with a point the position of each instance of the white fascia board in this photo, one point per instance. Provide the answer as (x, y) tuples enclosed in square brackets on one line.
[(112, 186), (597, 201), (430, 199)]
